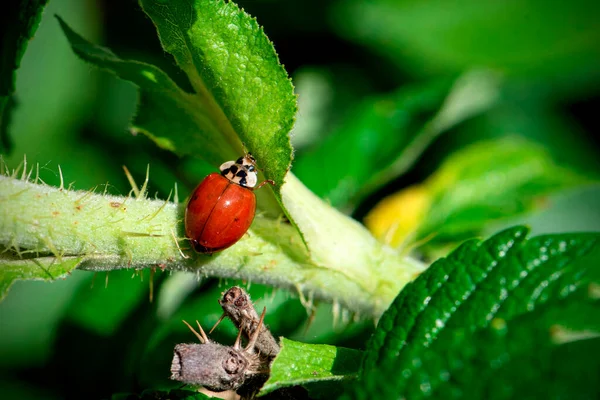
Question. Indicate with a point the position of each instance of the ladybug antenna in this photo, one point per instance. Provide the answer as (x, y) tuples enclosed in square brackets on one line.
[(249, 159), (263, 183)]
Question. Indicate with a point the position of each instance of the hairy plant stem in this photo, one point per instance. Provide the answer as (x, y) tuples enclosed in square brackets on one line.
[(48, 227)]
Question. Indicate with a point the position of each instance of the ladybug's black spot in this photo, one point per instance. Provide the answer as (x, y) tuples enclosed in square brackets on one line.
[(240, 160), (241, 173), (243, 181), (233, 169)]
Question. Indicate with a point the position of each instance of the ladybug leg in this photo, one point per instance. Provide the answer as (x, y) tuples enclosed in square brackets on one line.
[(263, 183)]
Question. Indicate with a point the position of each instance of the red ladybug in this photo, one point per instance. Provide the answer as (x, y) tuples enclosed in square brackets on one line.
[(222, 207)]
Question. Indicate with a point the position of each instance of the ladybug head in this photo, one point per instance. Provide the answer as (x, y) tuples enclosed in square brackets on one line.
[(248, 160), (241, 171)]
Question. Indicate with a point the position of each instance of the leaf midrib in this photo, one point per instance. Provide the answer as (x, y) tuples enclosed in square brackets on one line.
[(216, 113)]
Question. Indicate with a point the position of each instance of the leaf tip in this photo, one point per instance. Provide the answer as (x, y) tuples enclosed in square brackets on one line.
[(61, 21)]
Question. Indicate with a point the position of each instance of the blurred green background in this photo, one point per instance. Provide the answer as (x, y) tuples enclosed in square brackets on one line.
[(91, 336)]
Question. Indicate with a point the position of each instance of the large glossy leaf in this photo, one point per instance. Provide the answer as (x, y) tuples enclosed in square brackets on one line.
[(544, 354), (485, 182), (479, 312), (18, 24)]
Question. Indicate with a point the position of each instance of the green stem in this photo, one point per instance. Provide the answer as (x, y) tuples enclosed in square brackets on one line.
[(99, 232)]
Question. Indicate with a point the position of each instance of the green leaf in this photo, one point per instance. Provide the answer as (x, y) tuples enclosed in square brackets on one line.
[(525, 38), (235, 72), (40, 268), (533, 356), (18, 24), (174, 119), (487, 310), (385, 135), (481, 184), (489, 181), (300, 363), (372, 137), (243, 99)]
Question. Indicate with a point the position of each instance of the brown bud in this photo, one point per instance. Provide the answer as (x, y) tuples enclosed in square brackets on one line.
[(238, 307), (213, 365)]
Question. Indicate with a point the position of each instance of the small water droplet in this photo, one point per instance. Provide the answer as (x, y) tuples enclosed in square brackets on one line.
[(523, 274)]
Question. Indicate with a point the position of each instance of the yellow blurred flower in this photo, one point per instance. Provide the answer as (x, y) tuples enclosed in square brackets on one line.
[(396, 218)]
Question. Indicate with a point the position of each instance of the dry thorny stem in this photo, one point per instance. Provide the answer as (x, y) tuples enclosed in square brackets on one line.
[(220, 368), (238, 307)]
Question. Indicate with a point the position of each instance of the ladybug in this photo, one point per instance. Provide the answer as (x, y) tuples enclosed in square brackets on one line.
[(222, 207)]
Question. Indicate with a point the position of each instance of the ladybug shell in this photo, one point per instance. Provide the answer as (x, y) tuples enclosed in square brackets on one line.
[(218, 214)]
